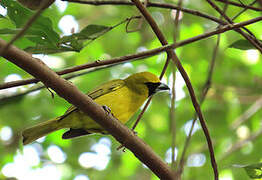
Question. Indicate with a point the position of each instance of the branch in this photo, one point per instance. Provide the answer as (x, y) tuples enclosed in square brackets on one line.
[(204, 91), (149, 4), (242, 143), (252, 40), (5, 98), (173, 56), (97, 63), (243, 10), (240, 5), (172, 112), (70, 93), (141, 54)]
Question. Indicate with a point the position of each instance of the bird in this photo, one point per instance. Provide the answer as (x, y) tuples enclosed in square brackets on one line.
[(121, 97)]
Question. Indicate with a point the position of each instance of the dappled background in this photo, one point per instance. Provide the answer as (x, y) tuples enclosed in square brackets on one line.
[(231, 109)]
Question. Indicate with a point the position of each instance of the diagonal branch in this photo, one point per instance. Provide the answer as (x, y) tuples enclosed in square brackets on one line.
[(204, 92), (251, 39), (70, 93), (243, 10), (149, 4), (5, 98), (139, 55), (173, 56), (240, 5)]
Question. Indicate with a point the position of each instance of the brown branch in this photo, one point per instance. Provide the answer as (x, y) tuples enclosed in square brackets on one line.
[(204, 91), (240, 5), (149, 4), (172, 112), (252, 40), (70, 93), (150, 99), (243, 10), (97, 63), (141, 54), (5, 98), (175, 59), (142, 113)]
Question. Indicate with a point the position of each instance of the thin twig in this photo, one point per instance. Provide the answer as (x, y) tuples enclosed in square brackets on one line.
[(150, 99), (256, 43), (149, 4), (70, 93), (173, 92), (251, 39), (142, 113), (204, 91), (175, 59), (5, 98), (141, 54), (243, 10), (240, 5), (97, 63)]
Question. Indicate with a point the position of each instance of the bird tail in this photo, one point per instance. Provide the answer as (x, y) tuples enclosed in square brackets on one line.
[(40, 130)]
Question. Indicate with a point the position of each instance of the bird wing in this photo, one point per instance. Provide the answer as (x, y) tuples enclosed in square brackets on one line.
[(106, 88), (97, 92)]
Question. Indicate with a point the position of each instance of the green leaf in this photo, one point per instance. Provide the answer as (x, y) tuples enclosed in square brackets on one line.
[(41, 28), (254, 170), (7, 31), (94, 31), (1, 16), (242, 44), (90, 32), (48, 50), (35, 35)]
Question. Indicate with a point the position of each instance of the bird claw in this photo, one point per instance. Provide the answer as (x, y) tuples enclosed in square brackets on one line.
[(107, 109)]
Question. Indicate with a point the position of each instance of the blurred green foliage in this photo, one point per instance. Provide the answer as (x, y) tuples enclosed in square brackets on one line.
[(236, 85)]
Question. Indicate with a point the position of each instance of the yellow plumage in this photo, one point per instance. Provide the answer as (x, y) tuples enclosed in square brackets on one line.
[(122, 97)]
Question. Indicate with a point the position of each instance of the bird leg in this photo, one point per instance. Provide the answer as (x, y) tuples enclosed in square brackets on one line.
[(108, 110)]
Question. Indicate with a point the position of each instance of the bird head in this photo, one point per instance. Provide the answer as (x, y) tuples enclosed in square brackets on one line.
[(145, 83)]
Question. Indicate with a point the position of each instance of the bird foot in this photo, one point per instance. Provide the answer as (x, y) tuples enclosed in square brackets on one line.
[(107, 109)]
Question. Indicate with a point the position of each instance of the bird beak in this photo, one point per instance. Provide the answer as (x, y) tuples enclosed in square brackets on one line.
[(162, 87)]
